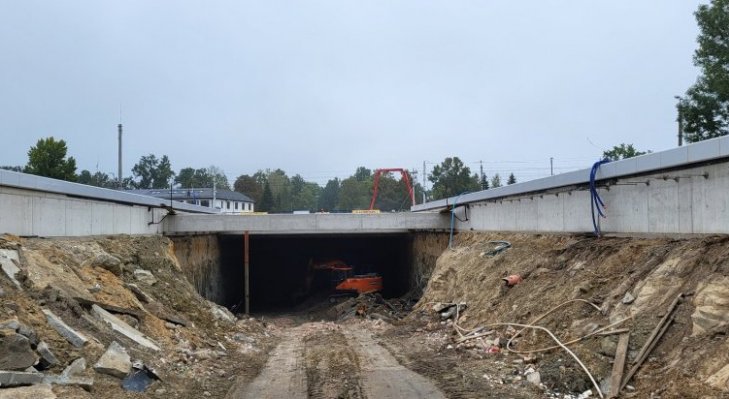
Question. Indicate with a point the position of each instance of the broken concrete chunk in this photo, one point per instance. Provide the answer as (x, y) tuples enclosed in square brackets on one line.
[(9, 263), (48, 359), (15, 353), (145, 276), (114, 362), (124, 328), (17, 378), (74, 337), (108, 262), (222, 313), (628, 298), (83, 382), (76, 367), (534, 378), (42, 391), (141, 295)]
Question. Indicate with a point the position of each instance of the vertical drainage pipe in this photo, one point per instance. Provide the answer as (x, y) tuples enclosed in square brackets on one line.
[(246, 274)]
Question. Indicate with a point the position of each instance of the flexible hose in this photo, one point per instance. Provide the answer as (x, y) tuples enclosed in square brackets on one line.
[(453, 220), (596, 203)]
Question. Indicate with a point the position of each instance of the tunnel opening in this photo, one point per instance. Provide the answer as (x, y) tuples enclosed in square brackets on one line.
[(281, 276)]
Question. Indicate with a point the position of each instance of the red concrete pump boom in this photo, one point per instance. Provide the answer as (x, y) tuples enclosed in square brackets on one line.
[(405, 177)]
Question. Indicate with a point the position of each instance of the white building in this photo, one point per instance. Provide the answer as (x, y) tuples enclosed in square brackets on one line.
[(230, 202)]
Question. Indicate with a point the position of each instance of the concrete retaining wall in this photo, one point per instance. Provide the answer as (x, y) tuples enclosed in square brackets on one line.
[(34, 213), (674, 201)]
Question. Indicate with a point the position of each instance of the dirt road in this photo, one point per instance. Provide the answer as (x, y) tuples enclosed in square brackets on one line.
[(327, 360)]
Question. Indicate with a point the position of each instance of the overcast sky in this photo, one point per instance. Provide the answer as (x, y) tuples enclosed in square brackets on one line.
[(321, 87)]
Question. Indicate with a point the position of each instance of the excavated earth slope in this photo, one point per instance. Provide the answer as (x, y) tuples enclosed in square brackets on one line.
[(203, 349), (630, 279)]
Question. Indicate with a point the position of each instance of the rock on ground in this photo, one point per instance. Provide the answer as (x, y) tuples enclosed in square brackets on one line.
[(115, 361), (16, 353), (42, 391)]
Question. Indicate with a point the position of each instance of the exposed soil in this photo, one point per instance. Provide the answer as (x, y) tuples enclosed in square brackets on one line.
[(331, 360), (200, 358), (372, 348)]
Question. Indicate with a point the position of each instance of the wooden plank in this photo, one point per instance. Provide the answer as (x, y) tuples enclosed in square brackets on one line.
[(619, 365), (640, 360)]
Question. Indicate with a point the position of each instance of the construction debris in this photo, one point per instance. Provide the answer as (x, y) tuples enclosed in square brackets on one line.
[(41, 391), (16, 378), (8, 262), (124, 328), (114, 362), (16, 352), (74, 337)]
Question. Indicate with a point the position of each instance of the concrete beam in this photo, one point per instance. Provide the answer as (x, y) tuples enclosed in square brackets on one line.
[(315, 223)]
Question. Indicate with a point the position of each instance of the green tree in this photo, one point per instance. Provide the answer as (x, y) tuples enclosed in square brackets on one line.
[(98, 179), (362, 174), (355, 194), (151, 172), (452, 178), (329, 197), (266, 203), (512, 179), (12, 168), (304, 194), (393, 194), (496, 181), (621, 151), (249, 186), (704, 109), (484, 182), (48, 158), (203, 177)]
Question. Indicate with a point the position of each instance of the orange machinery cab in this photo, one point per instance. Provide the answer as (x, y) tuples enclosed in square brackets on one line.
[(361, 284), (345, 282)]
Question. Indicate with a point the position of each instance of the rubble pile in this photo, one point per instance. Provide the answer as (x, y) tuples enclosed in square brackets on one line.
[(113, 317), (373, 306)]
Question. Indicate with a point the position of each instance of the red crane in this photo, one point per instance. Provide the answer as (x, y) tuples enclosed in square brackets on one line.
[(405, 177)]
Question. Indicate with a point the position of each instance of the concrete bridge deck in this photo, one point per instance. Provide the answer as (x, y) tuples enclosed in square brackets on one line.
[(315, 223)]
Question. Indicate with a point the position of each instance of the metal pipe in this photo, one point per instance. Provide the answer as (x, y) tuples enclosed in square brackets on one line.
[(246, 273)]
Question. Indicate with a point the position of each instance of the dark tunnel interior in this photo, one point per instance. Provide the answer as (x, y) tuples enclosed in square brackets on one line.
[(279, 266)]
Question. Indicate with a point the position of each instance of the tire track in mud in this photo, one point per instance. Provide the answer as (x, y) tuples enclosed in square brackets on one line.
[(332, 366), (325, 360), (383, 376), (283, 376)]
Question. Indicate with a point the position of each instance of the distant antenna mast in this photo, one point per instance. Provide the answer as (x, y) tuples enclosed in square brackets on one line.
[(120, 156)]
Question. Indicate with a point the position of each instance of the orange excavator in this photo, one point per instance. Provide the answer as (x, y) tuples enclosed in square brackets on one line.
[(345, 281)]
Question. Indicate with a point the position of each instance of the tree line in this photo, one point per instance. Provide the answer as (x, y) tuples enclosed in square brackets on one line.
[(274, 190)]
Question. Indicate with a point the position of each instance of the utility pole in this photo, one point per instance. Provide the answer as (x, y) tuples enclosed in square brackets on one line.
[(551, 166), (679, 119), (423, 181), (120, 157), (680, 129), (481, 166), (215, 181)]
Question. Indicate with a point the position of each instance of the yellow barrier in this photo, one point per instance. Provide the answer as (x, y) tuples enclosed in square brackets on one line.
[(366, 211)]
